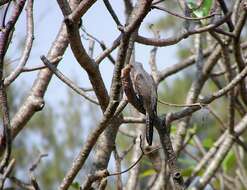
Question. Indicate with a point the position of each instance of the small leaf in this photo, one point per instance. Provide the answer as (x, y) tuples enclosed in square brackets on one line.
[(147, 173), (200, 10), (188, 162), (75, 185), (187, 172), (192, 4), (229, 161), (208, 142), (173, 129), (193, 129), (146, 162), (216, 184), (201, 172)]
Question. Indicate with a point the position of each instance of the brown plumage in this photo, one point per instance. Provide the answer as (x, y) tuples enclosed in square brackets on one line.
[(146, 91)]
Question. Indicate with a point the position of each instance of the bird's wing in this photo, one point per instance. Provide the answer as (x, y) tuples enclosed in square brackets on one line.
[(138, 86), (154, 95), (149, 128)]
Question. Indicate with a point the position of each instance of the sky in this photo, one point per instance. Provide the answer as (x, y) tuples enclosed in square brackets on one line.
[(98, 22)]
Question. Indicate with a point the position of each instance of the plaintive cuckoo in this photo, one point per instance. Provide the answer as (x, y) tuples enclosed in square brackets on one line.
[(146, 91)]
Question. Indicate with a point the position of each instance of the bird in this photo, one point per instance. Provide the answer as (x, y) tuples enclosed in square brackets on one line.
[(146, 90)]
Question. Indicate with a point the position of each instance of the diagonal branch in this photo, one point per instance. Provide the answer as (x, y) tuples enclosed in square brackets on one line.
[(66, 80), (225, 11), (238, 52), (80, 53), (112, 13)]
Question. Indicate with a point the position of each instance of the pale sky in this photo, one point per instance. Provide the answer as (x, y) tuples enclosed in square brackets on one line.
[(98, 22)]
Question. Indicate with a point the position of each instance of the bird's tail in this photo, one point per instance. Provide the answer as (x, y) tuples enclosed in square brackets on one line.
[(149, 128)]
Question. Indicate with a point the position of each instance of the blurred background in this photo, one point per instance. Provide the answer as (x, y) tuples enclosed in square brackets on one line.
[(61, 128)]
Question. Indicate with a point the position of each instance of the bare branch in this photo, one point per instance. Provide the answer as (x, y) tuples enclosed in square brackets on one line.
[(7, 173), (35, 68), (66, 80), (238, 52), (183, 35), (107, 51), (91, 178), (37, 161), (181, 16), (34, 182), (112, 13), (210, 98), (87, 147), (4, 37), (27, 47), (225, 11), (5, 13), (219, 156), (102, 45), (34, 101)]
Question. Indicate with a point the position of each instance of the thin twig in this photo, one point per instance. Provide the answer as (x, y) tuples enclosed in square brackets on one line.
[(225, 11), (87, 147), (19, 183), (210, 98), (152, 60), (109, 107), (91, 48), (36, 162), (222, 72), (222, 152), (127, 133), (133, 120), (157, 2), (118, 160), (34, 182), (27, 47), (4, 39), (92, 178), (102, 45), (7, 173), (66, 80), (182, 35), (138, 160), (184, 17), (112, 12), (35, 68), (5, 14), (181, 105)]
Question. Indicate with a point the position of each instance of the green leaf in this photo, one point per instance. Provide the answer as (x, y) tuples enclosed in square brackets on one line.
[(216, 184), (75, 185), (200, 10), (229, 161), (146, 162), (173, 129), (147, 173), (192, 4), (208, 142), (188, 162), (193, 129), (187, 172), (201, 172)]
